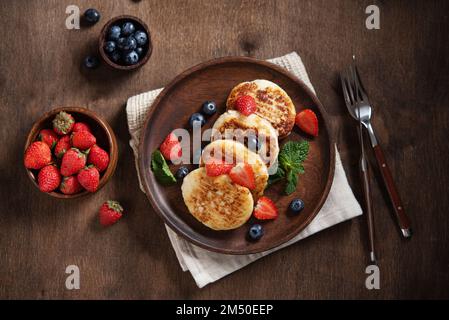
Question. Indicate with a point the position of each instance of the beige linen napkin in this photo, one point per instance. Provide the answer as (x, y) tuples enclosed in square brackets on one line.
[(206, 266)]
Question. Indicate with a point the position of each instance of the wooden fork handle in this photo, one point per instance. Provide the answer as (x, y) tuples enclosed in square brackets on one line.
[(402, 218), (365, 176)]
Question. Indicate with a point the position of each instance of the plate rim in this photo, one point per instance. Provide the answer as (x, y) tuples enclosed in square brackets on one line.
[(238, 59)]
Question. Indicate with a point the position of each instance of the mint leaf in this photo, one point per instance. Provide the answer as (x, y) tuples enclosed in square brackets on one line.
[(291, 159), (160, 169), (292, 182), (278, 176)]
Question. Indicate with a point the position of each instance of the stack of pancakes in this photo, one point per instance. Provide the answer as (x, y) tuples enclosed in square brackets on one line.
[(218, 202)]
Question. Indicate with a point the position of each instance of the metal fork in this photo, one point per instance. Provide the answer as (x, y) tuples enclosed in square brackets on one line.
[(358, 100)]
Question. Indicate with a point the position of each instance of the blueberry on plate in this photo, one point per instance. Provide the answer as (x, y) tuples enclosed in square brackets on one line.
[(131, 57), (296, 205), (181, 172), (197, 117), (141, 37), (130, 43), (114, 33), (255, 232), (253, 143), (91, 62), (109, 46), (209, 108), (92, 15), (139, 51), (128, 28), (115, 56)]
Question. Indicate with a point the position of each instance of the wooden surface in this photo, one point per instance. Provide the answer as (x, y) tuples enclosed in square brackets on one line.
[(404, 67)]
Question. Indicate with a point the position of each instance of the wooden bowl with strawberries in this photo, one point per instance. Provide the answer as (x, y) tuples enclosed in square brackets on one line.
[(70, 152)]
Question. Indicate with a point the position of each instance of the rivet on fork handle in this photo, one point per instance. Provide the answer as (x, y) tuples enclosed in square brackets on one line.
[(403, 220)]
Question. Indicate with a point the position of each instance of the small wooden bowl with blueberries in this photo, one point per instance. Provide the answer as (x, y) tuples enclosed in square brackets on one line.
[(125, 43)]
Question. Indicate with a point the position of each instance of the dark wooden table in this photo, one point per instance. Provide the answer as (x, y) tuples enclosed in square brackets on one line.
[(405, 68)]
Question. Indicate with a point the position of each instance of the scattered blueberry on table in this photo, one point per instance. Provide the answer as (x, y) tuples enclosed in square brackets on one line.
[(92, 15), (209, 108), (91, 62), (255, 232), (197, 117), (296, 205), (124, 44), (181, 172)]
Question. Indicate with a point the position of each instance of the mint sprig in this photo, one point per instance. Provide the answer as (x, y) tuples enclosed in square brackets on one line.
[(160, 169), (290, 165)]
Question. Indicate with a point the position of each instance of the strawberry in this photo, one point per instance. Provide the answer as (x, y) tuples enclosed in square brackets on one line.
[(110, 212), (49, 137), (70, 185), (216, 167), (265, 209), (98, 157), (171, 148), (307, 121), (89, 178), (37, 155), (63, 123), (80, 126), (62, 146), (243, 175), (48, 178), (83, 140), (72, 162), (246, 105)]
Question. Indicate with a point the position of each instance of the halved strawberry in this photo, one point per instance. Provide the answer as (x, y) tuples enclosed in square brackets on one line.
[(215, 167), (171, 148), (243, 175), (307, 121), (246, 105), (265, 209)]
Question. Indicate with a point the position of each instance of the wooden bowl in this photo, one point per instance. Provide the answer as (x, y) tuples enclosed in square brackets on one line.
[(140, 25), (100, 128)]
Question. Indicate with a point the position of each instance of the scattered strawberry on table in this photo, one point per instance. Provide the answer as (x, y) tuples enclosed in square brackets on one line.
[(110, 212), (78, 159)]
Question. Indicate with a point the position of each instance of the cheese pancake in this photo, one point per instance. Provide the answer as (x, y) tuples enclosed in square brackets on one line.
[(273, 103), (216, 202)]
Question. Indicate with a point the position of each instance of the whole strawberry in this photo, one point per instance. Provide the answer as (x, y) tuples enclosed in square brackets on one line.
[(80, 126), (62, 146), (72, 162), (48, 178), (110, 212), (37, 155), (98, 157), (89, 178), (49, 137), (63, 123), (83, 140), (70, 185)]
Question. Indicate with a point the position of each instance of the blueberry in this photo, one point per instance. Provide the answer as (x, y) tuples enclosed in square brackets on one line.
[(128, 28), (197, 117), (253, 143), (255, 232), (114, 33), (139, 51), (91, 62), (92, 15), (121, 43), (131, 57), (296, 205), (209, 108), (115, 56), (130, 43), (141, 37), (181, 172), (109, 46)]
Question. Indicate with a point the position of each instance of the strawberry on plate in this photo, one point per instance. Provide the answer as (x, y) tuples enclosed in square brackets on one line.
[(48, 178), (49, 137), (243, 174), (62, 146), (80, 126), (110, 212), (171, 148), (37, 155), (265, 209), (83, 140), (246, 105), (98, 157), (89, 178), (72, 162), (307, 121), (215, 167)]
